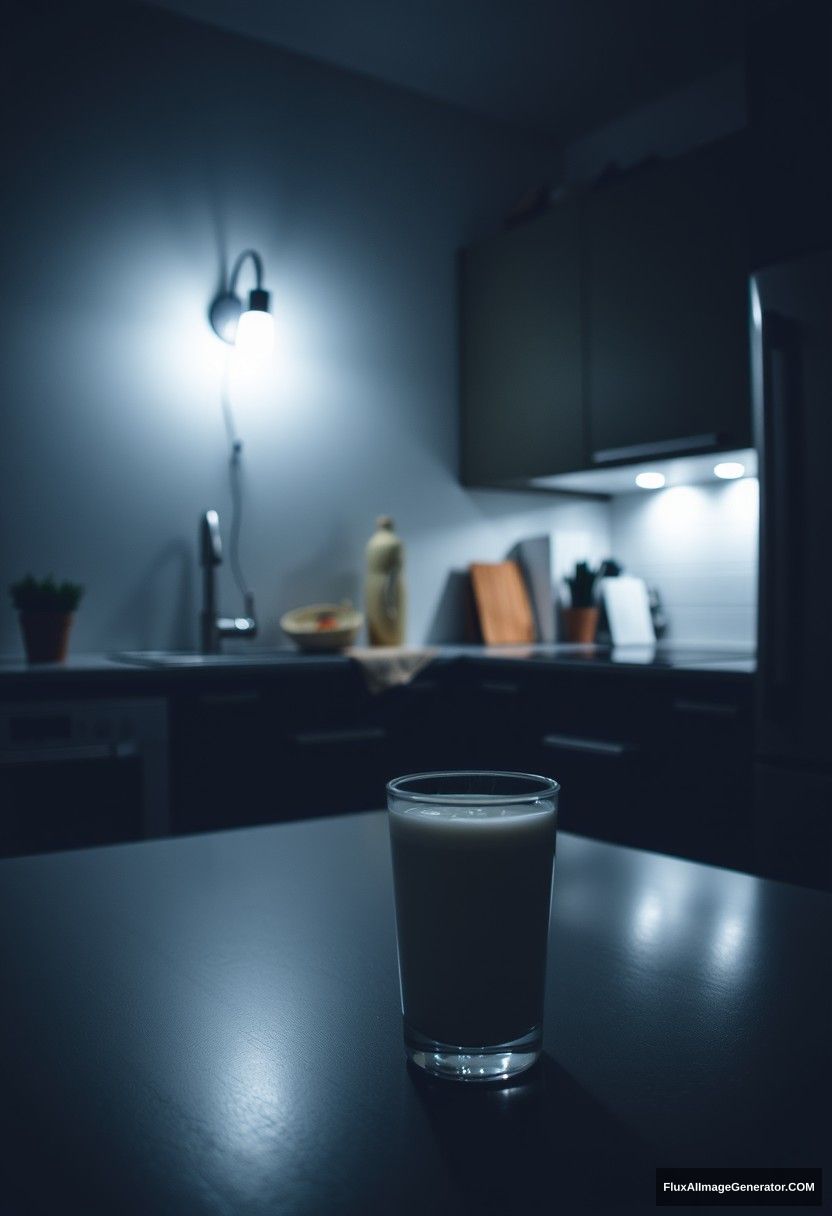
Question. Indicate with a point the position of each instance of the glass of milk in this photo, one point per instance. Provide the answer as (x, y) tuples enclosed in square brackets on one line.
[(473, 856)]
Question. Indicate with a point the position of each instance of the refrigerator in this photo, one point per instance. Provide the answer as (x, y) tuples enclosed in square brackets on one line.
[(791, 343)]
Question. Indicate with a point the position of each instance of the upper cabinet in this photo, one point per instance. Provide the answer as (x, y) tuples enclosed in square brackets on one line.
[(667, 291), (612, 328), (522, 391)]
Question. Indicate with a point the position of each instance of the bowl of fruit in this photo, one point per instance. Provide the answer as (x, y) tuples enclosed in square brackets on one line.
[(322, 626)]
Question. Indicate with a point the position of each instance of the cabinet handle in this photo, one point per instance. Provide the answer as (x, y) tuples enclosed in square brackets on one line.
[(63, 755), (217, 700), (367, 734), (667, 447), (500, 686), (706, 709), (591, 747)]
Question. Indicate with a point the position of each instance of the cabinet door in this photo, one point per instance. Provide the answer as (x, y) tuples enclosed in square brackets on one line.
[(303, 743), (590, 729), (69, 802), (790, 120), (229, 760), (702, 770), (667, 289), (793, 825), (522, 408)]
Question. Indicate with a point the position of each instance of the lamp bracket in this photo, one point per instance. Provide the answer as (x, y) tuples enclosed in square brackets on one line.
[(224, 315), (226, 307)]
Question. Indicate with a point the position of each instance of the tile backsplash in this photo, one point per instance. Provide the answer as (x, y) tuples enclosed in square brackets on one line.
[(698, 546)]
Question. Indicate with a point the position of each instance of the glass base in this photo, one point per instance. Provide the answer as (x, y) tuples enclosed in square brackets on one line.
[(488, 1063)]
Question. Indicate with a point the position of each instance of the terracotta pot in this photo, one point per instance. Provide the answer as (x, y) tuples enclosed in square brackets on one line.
[(581, 624), (46, 635)]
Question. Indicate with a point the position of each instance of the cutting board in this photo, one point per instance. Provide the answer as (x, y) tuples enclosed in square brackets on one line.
[(502, 603), (627, 605), (534, 557)]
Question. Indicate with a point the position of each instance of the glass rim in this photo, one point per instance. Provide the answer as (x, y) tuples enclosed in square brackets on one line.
[(548, 787)]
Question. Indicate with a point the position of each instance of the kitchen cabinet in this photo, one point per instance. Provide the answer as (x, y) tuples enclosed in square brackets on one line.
[(662, 762), (228, 758), (594, 735), (790, 120), (613, 328), (521, 373), (657, 758), (667, 287), (793, 825), (308, 743), (262, 751), (700, 771), (493, 733), (81, 771), (71, 802)]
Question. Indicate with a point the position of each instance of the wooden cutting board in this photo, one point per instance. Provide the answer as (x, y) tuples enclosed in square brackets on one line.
[(502, 603)]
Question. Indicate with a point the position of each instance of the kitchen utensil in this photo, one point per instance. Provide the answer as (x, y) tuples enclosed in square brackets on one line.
[(502, 603)]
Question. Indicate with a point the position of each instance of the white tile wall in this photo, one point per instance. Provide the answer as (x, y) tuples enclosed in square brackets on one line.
[(698, 546)]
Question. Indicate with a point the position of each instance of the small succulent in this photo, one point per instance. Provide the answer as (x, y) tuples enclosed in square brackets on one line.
[(582, 586), (45, 595)]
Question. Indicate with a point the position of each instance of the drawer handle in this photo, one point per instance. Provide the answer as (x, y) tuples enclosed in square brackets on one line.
[(501, 686), (214, 700), (706, 709), (65, 755), (312, 738), (592, 747), (668, 447)]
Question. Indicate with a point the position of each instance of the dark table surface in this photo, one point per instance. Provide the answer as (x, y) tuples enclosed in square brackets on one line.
[(211, 1025)]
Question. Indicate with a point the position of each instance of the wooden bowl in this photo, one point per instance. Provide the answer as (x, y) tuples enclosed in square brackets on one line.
[(321, 627)]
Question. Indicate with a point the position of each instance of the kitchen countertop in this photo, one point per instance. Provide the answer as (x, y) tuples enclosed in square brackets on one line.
[(105, 670), (211, 1025)]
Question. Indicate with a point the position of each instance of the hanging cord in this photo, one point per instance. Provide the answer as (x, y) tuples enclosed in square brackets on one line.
[(235, 451)]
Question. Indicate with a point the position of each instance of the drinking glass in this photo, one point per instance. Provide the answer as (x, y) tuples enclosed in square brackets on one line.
[(473, 856)]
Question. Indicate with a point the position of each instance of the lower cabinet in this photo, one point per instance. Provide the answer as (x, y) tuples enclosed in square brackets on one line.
[(70, 803), (793, 825), (81, 771), (305, 744), (655, 760), (703, 774)]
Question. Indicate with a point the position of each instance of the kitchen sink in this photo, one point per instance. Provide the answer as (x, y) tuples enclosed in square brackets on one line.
[(187, 658)]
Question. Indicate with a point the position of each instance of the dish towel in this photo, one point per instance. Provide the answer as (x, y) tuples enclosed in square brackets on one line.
[(388, 666)]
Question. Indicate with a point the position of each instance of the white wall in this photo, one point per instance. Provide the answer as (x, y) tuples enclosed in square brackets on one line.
[(698, 546), (148, 152)]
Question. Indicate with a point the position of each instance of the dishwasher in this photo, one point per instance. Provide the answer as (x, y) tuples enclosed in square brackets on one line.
[(80, 773)]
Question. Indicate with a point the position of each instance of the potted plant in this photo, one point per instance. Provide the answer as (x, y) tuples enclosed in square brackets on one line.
[(46, 611), (581, 617)]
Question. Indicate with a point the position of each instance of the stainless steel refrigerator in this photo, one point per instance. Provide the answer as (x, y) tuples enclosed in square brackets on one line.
[(791, 334)]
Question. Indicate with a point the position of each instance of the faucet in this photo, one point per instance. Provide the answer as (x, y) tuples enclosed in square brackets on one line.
[(212, 628)]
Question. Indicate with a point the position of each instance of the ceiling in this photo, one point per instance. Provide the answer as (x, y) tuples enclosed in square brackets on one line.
[(560, 66)]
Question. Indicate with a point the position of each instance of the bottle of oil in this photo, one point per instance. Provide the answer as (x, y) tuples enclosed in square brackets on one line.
[(385, 593)]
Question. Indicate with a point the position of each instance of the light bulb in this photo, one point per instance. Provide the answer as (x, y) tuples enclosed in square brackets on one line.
[(255, 333), (729, 470), (650, 481)]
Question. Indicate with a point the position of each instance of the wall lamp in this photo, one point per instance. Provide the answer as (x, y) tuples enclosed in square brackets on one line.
[(251, 329)]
